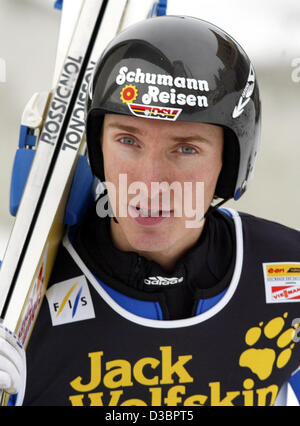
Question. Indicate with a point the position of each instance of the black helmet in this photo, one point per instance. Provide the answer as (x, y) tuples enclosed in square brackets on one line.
[(185, 69)]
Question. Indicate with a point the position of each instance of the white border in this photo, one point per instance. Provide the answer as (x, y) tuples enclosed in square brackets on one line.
[(175, 323)]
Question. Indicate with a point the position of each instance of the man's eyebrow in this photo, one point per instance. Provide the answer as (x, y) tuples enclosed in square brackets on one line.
[(125, 128), (137, 130), (191, 138)]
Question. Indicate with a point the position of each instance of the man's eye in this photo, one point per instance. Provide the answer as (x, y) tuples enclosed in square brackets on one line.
[(187, 150), (127, 141)]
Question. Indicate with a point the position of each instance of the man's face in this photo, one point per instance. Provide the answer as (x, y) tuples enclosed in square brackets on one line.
[(151, 151)]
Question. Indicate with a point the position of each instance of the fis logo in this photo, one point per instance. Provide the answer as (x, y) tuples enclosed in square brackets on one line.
[(70, 301)]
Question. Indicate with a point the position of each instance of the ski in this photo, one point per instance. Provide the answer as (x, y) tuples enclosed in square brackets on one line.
[(50, 139), (40, 220)]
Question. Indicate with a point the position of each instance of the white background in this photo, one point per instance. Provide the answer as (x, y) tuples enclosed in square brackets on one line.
[(269, 30)]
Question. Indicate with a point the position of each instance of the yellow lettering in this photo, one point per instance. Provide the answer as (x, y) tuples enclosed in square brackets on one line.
[(173, 399), (156, 397), (139, 374), (248, 393), (119, 367), (76, 400), (215, 398), (262, 395), (195, 400), (168, 369), (136, 402), (95, 379), (96, 399)]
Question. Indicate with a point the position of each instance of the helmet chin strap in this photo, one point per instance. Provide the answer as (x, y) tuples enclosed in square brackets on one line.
[(211, 209)]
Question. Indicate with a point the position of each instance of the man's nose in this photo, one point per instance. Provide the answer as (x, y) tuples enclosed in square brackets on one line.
[(154, 169), (155, 175)]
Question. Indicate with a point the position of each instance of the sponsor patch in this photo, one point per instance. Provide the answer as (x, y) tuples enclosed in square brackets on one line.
[(246, 95), (159, 113), (282, 282), (70, 301), (162, 281), (161, 90)]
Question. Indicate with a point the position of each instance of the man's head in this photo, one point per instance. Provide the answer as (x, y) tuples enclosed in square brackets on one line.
[(180, 69), (174, 79)]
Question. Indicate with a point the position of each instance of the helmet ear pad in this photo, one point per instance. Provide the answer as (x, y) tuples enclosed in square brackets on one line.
[(231, 159), (94, 127)]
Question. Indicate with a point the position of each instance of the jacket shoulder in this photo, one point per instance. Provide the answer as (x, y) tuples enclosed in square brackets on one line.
[(270, 233), (64, 267)]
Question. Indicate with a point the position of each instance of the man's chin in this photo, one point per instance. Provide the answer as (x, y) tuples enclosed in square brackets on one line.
[(149, 244)]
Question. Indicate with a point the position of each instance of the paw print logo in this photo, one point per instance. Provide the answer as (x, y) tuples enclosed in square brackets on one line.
[(262, 361)]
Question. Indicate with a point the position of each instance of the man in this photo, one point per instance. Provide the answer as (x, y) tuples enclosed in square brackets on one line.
[(152, 305)]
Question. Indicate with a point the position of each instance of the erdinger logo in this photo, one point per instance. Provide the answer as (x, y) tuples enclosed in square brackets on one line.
[(156, 112)]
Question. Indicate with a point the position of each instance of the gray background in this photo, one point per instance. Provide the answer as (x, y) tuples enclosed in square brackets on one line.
[(268, 30)]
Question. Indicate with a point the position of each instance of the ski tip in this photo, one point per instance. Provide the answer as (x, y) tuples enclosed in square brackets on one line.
[(162, 8), (159, 8), (58, 4)]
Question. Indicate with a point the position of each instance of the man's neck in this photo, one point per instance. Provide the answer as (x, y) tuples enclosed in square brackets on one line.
[(167, 258)]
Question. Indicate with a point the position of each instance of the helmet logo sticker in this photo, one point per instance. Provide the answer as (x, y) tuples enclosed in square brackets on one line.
[(246, 95), (129, 94), (159, 90), (156, 112)]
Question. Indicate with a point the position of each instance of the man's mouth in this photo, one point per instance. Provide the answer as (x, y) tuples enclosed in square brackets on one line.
[(152, 213)]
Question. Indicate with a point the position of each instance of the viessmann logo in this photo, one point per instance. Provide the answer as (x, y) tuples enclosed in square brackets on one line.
[(286, 293)]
